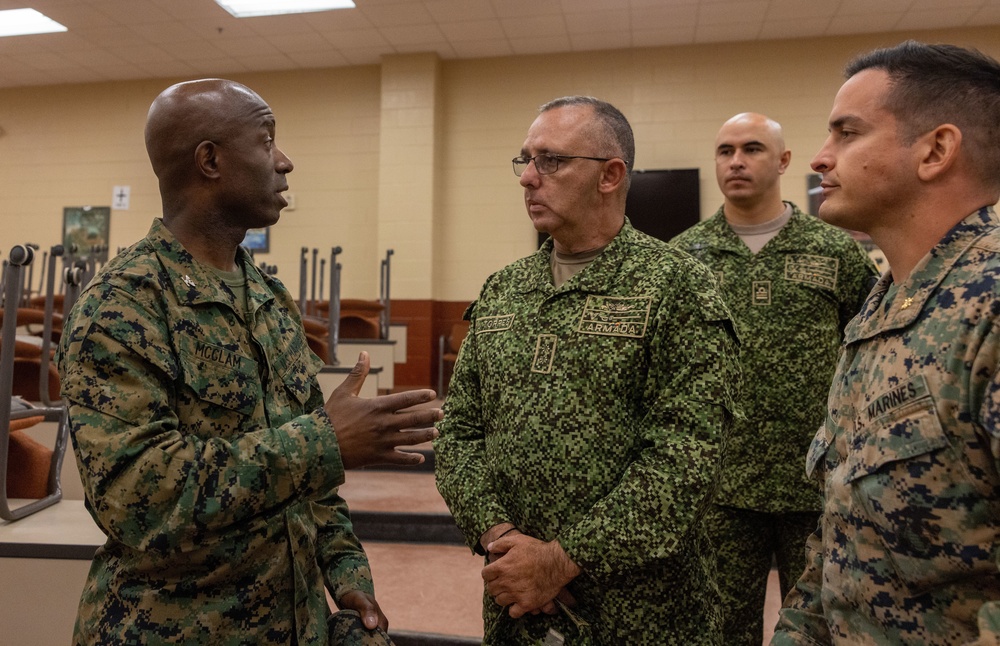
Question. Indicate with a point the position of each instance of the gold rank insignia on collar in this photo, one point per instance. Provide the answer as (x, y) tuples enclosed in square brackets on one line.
[(187, 281), (906, 302)]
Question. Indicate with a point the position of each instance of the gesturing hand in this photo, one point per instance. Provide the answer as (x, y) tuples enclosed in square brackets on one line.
[(370, 429)]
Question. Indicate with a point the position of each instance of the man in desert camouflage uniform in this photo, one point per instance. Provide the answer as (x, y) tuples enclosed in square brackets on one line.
[(907, 549), (582, 431), (207, 453), (792, 283)]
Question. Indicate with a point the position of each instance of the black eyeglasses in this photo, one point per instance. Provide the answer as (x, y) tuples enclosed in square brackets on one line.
[(547, 163)]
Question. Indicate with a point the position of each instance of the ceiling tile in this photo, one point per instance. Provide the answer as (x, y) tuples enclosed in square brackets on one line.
[(540, 26), (411, 13), (936, 19), (482, 48), (546, 45), (601, 40), (720, 13), (733, 32), (862, 23), (659, 37), (598, 22), (797, 28), (413, 34), (459, 10), (364, 38), (472, 30)]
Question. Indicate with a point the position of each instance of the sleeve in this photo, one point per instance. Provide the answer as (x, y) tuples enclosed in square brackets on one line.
[(689, 401), (801, 621), (148, 484), (342, 558), (459, 451), (987, 392), (860, 275)]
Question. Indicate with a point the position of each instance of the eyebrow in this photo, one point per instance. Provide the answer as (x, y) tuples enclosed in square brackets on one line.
[(846, 120), (743, 145)]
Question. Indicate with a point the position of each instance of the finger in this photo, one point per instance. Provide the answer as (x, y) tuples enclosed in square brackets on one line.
[(370, 619), (421, 418), (414, 437), (402, 458), (549, 608), (405, 399), (517, 611), (353, 382)]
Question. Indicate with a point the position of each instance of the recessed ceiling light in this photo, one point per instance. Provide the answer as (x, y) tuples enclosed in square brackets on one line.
[(20, 22), (247, 8)]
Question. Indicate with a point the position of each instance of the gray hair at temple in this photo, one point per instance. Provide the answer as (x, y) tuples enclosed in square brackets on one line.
[(615, 135), (936, 84)]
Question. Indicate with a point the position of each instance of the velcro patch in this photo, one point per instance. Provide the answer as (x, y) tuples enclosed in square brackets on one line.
[(616, 316), (494, 323), (815, 270)]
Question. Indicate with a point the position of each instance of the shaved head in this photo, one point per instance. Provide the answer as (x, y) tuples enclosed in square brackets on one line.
[(186, 114), (767, 128)]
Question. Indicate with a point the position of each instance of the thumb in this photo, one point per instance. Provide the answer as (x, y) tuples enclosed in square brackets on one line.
[(370, 617), (353, 382)]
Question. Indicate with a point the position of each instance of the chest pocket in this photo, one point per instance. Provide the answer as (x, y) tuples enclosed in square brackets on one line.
[(218, 377), (919, 498)]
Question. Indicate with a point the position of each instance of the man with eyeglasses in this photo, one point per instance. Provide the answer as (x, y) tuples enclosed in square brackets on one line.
[(582, 431), (792, 282)]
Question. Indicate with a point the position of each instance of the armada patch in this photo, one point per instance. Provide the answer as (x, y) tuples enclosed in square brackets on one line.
[(545, 354), (815, 270), (494, 323), (761, 292), (616, 316)]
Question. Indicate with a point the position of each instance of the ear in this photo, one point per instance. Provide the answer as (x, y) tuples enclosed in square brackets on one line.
[(206, 159), (938, 150), (613, 175), (783, 161)]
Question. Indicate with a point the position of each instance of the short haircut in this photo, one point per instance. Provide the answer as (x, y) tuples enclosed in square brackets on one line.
[(936, 84), (615, 135)]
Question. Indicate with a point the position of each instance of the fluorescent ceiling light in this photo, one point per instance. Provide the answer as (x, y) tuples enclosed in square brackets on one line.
[(247, 8), (19, 22)]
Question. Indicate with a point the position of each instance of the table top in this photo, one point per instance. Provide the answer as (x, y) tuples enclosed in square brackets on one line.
[(64, 530)]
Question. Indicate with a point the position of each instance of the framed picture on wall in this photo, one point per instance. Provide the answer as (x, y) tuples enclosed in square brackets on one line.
[(86, 231), (258, 240)]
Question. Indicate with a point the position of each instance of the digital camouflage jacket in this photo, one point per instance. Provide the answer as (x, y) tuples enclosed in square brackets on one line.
[(791, 301), (907, 548), (593, 414), (213, 474)]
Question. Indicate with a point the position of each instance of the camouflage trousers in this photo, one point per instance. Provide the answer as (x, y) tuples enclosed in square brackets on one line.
[(346, 629), (746, 543)]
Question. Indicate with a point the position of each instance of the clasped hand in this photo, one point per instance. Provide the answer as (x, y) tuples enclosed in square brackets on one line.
[(528, 574)]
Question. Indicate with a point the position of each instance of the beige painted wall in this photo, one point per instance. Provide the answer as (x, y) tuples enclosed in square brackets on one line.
[(69, 145)]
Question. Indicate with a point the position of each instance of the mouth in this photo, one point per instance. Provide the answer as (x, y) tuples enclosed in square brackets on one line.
[(828, 187), (284, 200), (737, 178)]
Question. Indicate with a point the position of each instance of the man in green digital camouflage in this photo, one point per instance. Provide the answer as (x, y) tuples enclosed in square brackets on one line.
[(907, 548), (792, 283), (207, 453), (582, 431)]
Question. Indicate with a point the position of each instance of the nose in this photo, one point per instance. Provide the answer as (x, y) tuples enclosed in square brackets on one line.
[(529, 176), (736, 161), (823, 161), (283, 164)]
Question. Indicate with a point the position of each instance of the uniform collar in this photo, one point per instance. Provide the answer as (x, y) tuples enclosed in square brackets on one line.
[(597, 278), (718, 234), (193, 283), (912, 295)]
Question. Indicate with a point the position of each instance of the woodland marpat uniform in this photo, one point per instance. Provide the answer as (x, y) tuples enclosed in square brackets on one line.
[(791, 301), (907, 549), (593, 413), (206, 457)]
